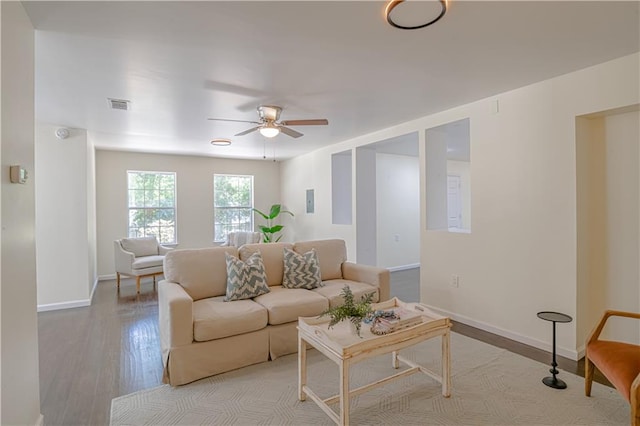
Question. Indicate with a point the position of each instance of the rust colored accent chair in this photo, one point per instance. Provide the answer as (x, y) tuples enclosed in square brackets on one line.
[(619, 362)]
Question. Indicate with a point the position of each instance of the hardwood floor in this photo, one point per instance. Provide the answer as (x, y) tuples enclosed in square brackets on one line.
[(91, 355)]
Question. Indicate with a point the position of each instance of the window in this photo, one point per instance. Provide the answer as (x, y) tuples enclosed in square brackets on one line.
[(152, 205), (232, 204)]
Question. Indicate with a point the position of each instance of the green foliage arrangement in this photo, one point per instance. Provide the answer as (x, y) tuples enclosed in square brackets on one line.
[(269, 231), (354, 312)]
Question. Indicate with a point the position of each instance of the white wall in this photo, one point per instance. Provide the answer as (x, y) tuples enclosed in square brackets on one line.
[(398, 210), (436, 178), (315, 171), (92, 242), (520, 257), (19, 336), (341, 188), (194, 178), (366, 212), (608, 210), (1, 137), (591, 231), (65, 218), (622, 133)]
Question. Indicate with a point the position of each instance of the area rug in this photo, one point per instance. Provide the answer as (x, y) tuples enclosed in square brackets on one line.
[(491, 386)]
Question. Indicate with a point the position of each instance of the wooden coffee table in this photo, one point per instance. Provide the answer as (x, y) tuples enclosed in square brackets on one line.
[(345, 348)]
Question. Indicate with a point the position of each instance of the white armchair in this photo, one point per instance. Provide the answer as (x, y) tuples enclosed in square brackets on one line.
[(139, 257), (236, 239)]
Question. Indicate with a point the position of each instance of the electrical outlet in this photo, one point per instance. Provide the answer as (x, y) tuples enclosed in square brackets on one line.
[(455, 281), (396, 238)]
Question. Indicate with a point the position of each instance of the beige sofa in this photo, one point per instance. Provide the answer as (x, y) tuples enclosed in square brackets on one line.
[(201, 335)]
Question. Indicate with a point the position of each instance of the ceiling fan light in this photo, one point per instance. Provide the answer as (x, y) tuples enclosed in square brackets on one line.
[(269, 130)]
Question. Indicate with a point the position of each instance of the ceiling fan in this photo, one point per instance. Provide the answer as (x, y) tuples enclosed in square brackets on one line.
[(269, 126)]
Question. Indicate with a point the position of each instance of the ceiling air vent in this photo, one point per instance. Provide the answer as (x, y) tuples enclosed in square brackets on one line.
[(119, 104)]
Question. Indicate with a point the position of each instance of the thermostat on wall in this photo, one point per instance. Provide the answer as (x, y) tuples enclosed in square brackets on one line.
[(18, 174)]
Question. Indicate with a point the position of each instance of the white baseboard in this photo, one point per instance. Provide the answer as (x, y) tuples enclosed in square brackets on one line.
[(403, 267), (581, 351), (93, 290), (40, 421), (106, 277), (71, 304), (64, 305), (546, 346)]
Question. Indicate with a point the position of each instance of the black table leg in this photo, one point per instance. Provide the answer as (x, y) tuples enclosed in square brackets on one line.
[(553, 381)]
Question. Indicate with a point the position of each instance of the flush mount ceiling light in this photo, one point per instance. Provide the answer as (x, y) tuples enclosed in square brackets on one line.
[(221, 142), (269, 130), (404, 21)]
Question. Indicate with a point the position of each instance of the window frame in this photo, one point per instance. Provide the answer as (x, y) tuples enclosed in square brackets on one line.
[(174, 207), (222, 239)]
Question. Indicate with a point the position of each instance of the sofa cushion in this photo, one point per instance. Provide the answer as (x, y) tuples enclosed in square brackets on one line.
[(332, 290), (245, 280), (301, 270), (287, 304), (331, 255), (146, 246), (272, 258), (201, 272), (147, 262), (215, 319)]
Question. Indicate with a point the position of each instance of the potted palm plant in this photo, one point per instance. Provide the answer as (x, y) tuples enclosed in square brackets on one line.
[(269, 231)]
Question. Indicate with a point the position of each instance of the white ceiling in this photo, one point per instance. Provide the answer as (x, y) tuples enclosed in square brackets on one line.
[(182, 62)]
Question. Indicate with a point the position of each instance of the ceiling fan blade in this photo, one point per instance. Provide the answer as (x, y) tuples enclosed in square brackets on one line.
[(313, 122), (235, 121), (246, 132), (290, 132)]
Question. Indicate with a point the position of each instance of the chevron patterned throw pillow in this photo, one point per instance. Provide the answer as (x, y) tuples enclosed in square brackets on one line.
[(245, 280), (301, 270)]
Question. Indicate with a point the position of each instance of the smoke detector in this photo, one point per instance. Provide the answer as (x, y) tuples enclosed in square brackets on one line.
[(62, 133), (120, 104)]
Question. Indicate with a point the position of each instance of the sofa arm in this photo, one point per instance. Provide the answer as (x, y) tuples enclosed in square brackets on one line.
[(175, 316), (377, 277), (162, 250)]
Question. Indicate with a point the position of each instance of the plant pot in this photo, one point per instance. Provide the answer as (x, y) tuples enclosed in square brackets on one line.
[(353, 329)]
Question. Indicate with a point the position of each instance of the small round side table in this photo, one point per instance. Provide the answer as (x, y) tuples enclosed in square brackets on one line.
[(554, 317)]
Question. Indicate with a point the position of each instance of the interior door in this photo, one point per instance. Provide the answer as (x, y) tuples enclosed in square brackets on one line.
[(454, 201)]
